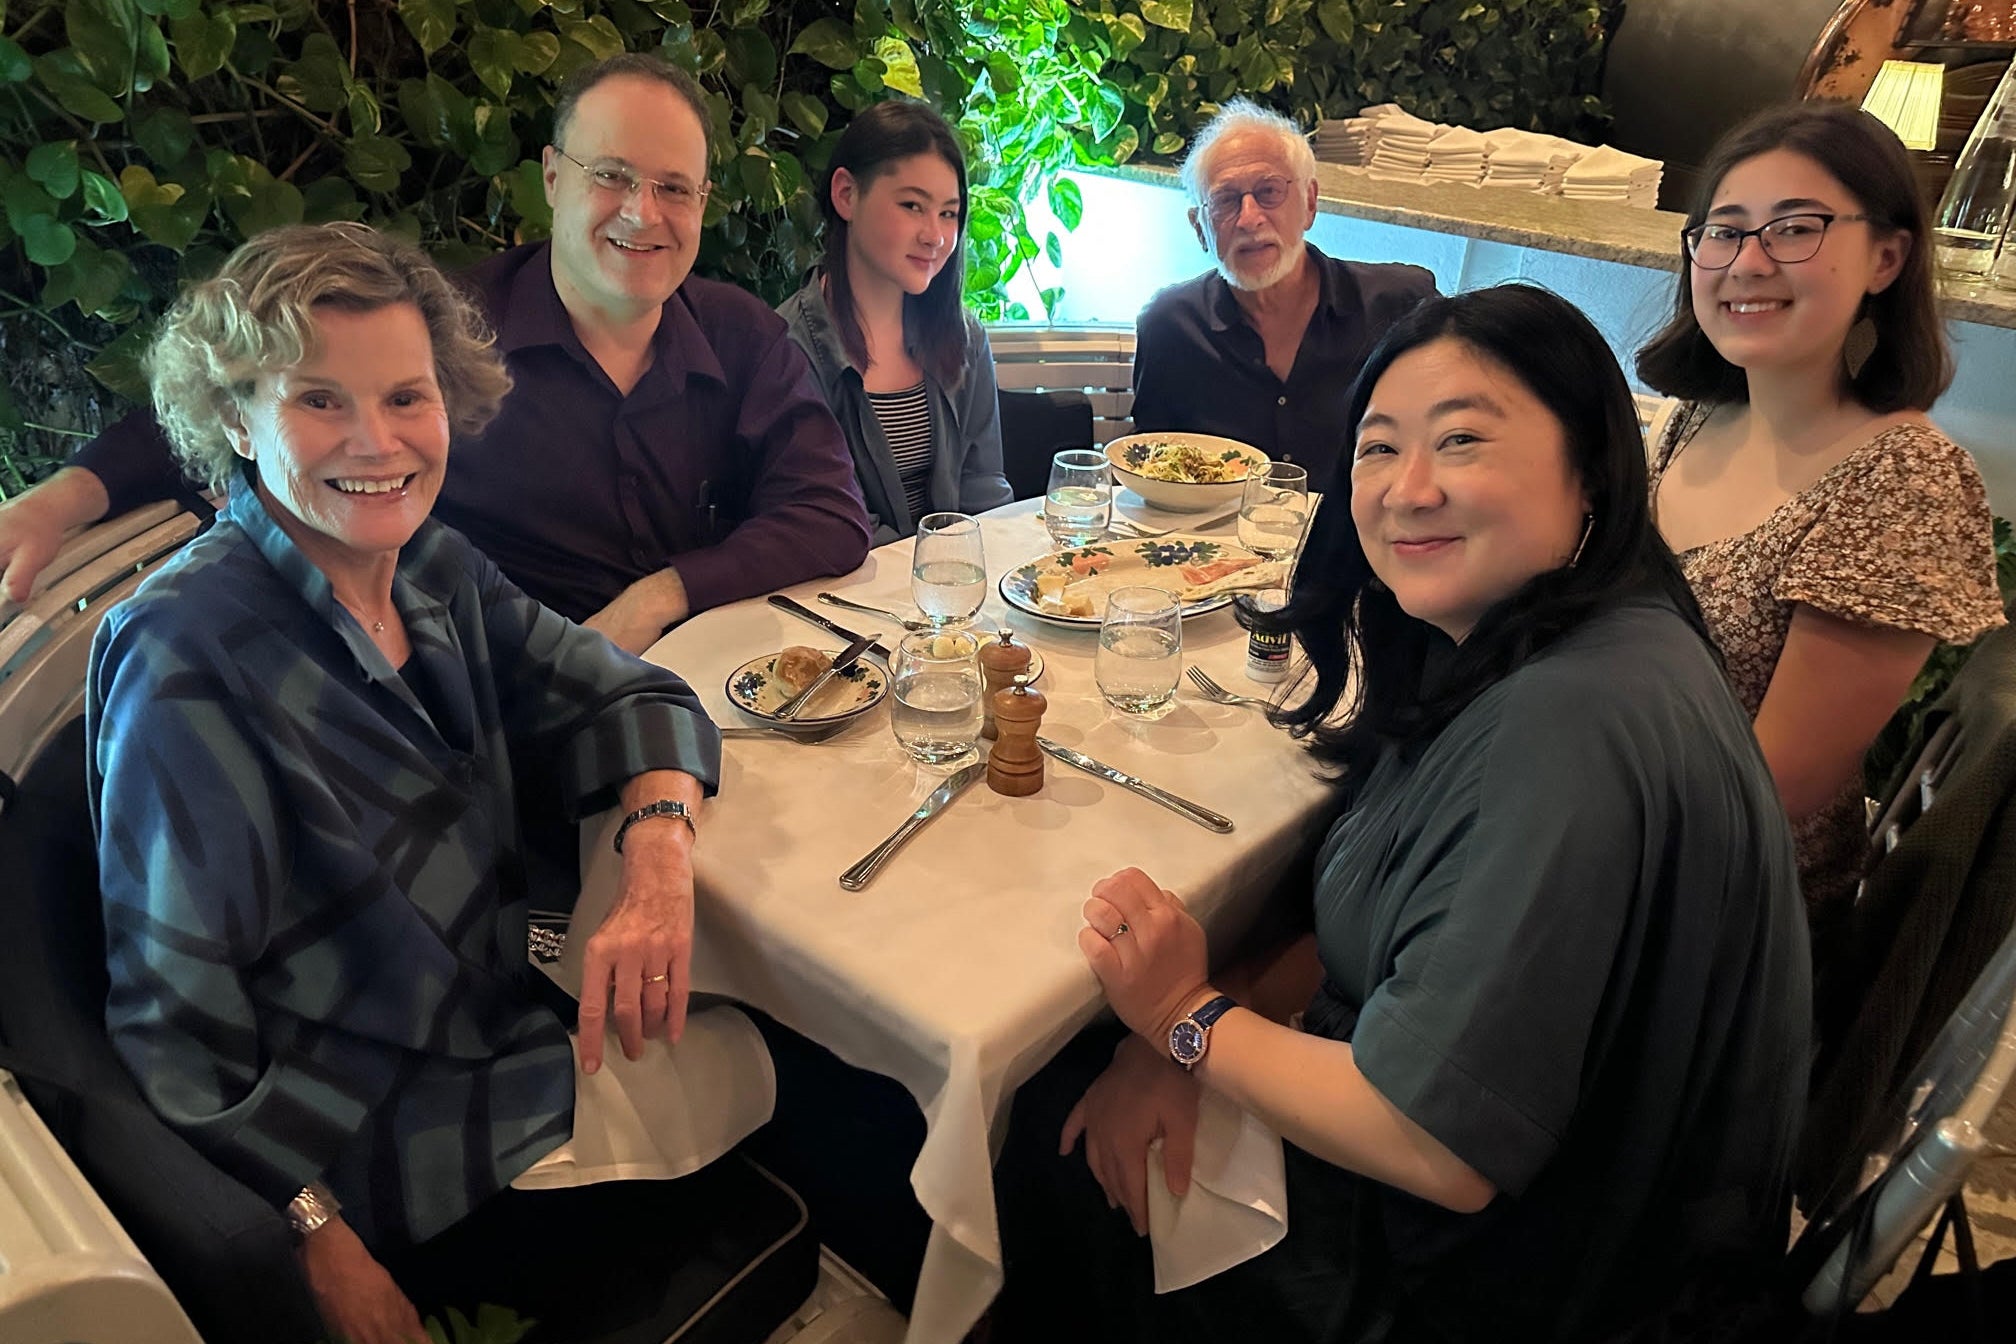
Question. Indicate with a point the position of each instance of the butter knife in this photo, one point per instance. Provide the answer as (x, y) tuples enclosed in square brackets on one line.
[(850, 655), (805, 613), (1182, 807), (862, 873)]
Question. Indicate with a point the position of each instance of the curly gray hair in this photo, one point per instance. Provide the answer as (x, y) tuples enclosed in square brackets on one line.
[(256, 316), (1243, 114)]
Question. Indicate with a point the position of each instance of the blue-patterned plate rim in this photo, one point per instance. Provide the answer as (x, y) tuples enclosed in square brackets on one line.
[(746, 683), (1018, 585)]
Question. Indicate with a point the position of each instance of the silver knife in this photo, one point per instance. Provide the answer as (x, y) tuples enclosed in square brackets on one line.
[(788, 711), (805, 613), (1182, 807), (862, 873)]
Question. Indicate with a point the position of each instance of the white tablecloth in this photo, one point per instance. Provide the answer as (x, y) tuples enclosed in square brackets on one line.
[(957, 971)]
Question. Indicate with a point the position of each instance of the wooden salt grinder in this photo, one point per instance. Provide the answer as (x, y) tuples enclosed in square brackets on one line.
[(1000, 661), (1015, 766)]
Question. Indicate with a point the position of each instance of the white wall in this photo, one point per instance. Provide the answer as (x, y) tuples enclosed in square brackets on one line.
[(1134, 240)]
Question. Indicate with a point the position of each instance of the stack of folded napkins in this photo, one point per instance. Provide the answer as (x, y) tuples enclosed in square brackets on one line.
[(1351, 140), (1401, 154), (1608, 174), (1525, 160), (1456, 155)]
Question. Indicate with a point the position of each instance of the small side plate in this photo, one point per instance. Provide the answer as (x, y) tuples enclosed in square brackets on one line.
[(753, 689)]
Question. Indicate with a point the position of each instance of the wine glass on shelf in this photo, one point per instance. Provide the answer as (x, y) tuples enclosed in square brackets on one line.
[(1079, 503), (948, 569), (1140, 651), (1274, 510)]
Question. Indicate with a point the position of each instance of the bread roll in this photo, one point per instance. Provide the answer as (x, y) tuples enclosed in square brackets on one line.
[(798, 667)]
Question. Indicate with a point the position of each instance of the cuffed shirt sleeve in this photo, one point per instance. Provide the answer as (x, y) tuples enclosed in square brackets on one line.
[(134, 462)]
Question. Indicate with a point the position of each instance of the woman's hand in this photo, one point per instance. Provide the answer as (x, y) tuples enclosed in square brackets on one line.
[(358, 1300), (1141, 1097), (1147, 951), (640, 960)]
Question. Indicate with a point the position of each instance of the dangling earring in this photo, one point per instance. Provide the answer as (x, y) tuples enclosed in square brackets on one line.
[(1861, 343), (1588, 526)]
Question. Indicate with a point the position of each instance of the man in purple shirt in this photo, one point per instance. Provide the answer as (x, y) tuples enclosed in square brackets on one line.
[(665, 449)]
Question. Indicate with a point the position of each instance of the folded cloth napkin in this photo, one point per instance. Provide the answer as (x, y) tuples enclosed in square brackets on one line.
[(1237, 1205), (667, 1114)]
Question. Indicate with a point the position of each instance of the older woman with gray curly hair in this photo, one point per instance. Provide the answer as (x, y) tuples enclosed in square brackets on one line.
[(310, 734)]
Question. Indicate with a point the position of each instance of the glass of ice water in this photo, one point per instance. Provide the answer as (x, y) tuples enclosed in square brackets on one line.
[(1274, 509), (936, 709), (948, 569), (1140, 651), (1079, 503)]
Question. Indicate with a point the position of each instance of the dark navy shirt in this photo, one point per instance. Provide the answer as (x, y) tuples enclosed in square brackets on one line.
[(1200, 367), (723, 462)]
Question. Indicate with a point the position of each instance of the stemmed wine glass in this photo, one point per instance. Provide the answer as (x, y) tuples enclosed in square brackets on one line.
[(948, 569)]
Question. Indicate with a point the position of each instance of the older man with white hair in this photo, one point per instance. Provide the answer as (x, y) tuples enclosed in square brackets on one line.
[(1265, 347)]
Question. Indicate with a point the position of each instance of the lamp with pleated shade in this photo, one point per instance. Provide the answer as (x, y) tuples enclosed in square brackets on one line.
[(1905, 97)]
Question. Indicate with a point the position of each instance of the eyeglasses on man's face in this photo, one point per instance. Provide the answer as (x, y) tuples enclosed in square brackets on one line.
[(1786, 239), (618, 179), (1226, 203)]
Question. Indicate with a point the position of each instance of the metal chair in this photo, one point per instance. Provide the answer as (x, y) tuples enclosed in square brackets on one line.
[(1937, 1137)]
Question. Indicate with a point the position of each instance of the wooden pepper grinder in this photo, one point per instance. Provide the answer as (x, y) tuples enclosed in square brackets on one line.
[(1015, 766), (1000, 662)]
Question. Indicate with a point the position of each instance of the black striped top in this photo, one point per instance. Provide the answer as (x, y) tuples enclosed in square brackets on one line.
[(906, 422)]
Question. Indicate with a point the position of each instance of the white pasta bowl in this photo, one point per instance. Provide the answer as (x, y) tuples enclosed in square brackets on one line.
[(1128, 455)]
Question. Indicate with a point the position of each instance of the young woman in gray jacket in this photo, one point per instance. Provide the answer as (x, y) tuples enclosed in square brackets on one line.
[(906, 369)]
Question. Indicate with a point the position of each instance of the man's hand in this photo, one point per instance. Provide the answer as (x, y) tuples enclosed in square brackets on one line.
[(641, 612), (1147, 951), (358, 1300), (641, 958), (1142, 1096), (32, 525)]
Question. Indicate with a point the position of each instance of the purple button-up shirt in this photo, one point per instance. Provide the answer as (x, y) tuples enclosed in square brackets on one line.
[(722, 463)]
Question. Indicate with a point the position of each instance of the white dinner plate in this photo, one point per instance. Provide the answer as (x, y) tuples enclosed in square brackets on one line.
[(1121, 564)]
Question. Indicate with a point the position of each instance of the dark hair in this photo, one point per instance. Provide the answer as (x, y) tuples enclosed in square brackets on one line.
[(934, 322), (638, 65), (1349, 623), (1912, 363)]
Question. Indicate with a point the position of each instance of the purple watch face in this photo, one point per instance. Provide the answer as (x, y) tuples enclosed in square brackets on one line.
[(1186, 1042)]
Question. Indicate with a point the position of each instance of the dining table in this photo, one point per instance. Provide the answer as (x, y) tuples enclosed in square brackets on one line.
[(957, 971)]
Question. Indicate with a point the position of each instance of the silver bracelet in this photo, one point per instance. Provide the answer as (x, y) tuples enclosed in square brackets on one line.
[(310, 1209), (664, 807)]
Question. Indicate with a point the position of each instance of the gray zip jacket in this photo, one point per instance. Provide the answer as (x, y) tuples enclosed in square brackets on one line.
[(965, 423)]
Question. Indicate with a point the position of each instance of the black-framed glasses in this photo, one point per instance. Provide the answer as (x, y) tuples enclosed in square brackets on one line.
[(1226, 202), (1786, 239), (616, 178)]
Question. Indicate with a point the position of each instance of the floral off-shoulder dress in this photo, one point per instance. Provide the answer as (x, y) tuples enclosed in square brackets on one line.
[(1896, 534)]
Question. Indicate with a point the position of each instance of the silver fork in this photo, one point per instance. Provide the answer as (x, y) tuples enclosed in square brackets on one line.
[(1213, 691), (907, 622)]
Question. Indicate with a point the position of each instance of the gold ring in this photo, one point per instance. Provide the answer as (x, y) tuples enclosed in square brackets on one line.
[(656, 979)]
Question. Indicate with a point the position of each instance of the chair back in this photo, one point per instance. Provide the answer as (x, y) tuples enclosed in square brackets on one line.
[(1937, 904), (1035, 427), (1937, 1131), (1095, 360)]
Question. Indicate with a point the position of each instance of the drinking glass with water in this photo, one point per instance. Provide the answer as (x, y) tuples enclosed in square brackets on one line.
[(1140, 651), (936, 707), (1079, 503), (948, 569), (1273, 509)]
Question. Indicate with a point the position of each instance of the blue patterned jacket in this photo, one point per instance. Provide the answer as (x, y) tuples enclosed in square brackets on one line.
[(314, 887)]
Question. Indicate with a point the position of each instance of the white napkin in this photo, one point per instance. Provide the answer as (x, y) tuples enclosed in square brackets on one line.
[(1237, 1206), (667, 1114)]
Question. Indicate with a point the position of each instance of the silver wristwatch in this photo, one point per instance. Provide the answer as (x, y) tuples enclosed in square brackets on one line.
[(664, 807), (307, 1211)]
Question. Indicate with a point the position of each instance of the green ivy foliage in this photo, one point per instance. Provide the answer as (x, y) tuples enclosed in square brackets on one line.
[(141, 140)]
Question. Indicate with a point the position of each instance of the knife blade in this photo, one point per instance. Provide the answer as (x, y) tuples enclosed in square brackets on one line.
[(788, 711), (1182, 807), (862, 873), (805, 613)]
